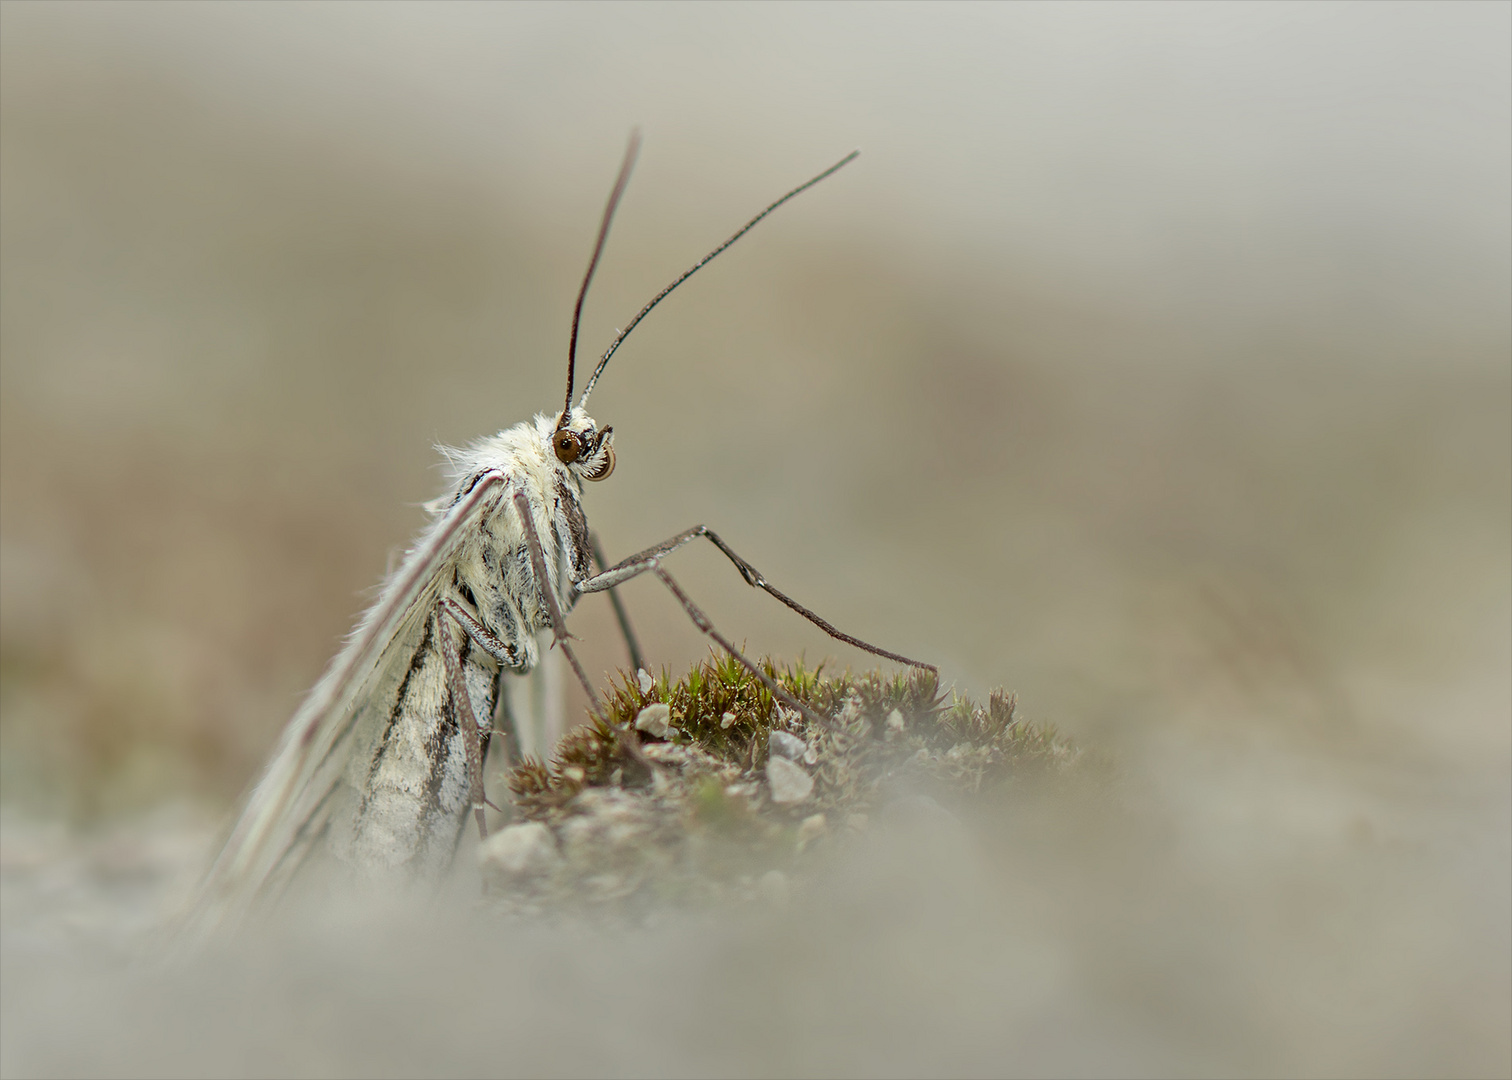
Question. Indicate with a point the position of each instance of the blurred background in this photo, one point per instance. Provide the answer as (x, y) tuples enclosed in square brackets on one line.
[(1152, 361)]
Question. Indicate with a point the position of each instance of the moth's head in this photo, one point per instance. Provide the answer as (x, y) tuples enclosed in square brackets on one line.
[(582, 447)]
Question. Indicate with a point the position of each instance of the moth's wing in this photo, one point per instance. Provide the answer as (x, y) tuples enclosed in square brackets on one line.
[(289, 811)]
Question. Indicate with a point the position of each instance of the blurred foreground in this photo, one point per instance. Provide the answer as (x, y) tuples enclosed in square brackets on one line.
[(1066, 932), (1153, 361)]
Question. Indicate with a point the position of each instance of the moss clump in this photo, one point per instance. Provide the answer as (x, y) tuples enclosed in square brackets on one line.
[(697, 811)]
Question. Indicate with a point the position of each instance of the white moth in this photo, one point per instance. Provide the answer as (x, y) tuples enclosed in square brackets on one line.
[(383, 760)]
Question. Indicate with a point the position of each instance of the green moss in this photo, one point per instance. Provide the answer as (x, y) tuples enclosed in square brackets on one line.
[(639, 820), (882, 728)]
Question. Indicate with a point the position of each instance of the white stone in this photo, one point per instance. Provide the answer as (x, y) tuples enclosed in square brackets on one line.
[(789, 783), (811, 829), (895, 721), (727, 719), (654, 720), (645, 680), (520, 851), (789, 746)]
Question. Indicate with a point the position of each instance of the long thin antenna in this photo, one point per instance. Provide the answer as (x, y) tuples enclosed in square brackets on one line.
[(659, 297), (598, 249)]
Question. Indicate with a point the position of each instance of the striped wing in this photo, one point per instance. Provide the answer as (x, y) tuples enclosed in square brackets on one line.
[(290, 809)]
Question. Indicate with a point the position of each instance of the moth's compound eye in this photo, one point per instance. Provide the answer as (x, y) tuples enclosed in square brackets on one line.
[(568, 447), (602, 473)]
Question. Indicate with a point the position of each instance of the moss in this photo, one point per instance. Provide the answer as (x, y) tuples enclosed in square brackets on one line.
[(693, 814)]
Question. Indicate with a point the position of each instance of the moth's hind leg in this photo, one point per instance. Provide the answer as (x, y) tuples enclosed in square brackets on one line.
[(506, 723), (602, 564)]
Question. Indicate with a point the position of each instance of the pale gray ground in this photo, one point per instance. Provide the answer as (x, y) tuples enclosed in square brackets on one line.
[(1059, 937), (1153, 361)]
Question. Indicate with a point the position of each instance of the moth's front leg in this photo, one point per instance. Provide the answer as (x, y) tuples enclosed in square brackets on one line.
[(650, 559)]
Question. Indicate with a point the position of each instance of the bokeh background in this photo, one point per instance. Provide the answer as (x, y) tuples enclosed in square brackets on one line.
[(1153, 361)]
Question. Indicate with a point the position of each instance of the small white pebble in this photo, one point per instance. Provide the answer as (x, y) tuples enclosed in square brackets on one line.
[(895, 721), (727, 719), (789, 783), (645, 680), (812, 827), (810, 756), (654, 720), (774, 888), (789, 746)]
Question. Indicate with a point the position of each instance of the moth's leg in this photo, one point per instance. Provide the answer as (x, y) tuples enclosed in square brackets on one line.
[(640, 562), (554, 610), (486, 639), (509, 660), (650, 558), (701, 621), (619, 608), (510, 729), (472, 737)]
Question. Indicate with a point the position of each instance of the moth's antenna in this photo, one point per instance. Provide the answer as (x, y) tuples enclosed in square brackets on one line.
[(659, 297), (598, 249)]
